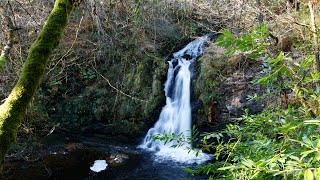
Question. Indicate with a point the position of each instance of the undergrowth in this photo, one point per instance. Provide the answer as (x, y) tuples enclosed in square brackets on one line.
[(276, 144), (283, 141)]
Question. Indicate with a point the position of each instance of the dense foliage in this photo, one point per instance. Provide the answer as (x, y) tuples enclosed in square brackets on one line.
[(281, 142)]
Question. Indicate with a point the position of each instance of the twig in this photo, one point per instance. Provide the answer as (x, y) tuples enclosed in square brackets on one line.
[(28, 13), (118, 90), (52, 129)]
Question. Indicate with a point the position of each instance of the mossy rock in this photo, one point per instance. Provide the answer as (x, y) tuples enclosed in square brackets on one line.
[(212, 69)]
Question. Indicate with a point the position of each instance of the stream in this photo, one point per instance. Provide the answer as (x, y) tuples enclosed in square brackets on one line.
[(73, 158)]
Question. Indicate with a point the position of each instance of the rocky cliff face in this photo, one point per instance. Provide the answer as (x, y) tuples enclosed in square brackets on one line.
[(225, 87)]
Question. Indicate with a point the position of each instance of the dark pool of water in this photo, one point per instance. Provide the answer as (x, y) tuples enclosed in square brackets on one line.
[(75, 165), (147, 169)]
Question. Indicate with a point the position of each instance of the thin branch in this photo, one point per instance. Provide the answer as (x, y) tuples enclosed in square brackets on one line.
[(38, 24), (69, 50), (304, 25), (118, 90), (315, 36)]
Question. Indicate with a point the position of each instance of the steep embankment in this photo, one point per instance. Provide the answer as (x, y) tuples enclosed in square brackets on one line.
[(107, 75)]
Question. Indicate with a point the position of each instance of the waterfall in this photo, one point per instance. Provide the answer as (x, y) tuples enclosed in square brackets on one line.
[(175, 116)]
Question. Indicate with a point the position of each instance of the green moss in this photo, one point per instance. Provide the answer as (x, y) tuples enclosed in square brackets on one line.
[(212, 69), (2, 63), (13, 109)]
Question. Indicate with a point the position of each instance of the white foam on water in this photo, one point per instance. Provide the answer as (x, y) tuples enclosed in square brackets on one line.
[(182, 155), (99, 165)]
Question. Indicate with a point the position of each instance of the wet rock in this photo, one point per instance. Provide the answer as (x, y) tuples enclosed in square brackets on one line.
[(238, 89), (196, 105), (117, 158)]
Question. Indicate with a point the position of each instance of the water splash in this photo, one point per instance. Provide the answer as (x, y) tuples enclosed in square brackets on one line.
[(175, 116)]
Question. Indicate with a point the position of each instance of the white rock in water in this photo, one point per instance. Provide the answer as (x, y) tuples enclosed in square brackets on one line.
[(99, 165)]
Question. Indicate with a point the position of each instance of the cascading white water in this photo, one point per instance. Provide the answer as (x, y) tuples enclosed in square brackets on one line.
[(175, 116)]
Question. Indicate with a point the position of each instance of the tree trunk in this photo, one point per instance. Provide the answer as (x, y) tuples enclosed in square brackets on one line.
[(13, 109), (315, 36), (6, 50)]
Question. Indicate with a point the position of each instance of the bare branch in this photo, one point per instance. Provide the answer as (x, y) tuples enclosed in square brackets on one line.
[(6, 50)]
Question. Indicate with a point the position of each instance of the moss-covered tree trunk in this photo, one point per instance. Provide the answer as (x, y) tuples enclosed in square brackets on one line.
[(13, 109)]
